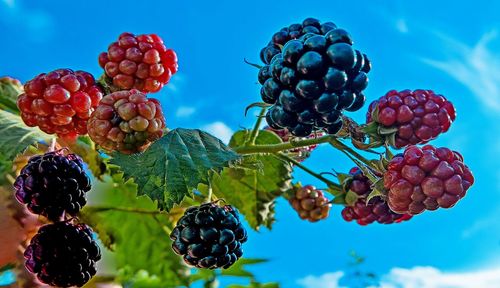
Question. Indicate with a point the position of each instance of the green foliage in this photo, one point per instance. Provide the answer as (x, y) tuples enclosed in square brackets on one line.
[(140, 239), (253, 191), (15, 136), (174, 165), (9, 90)]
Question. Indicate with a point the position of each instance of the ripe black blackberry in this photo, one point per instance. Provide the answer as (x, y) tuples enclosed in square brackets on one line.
[(63, 254), (53, 184), (294, 31), (312, 80), (209, 236)]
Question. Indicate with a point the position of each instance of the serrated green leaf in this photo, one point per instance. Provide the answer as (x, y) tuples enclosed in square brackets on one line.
[(254, 192), (351, 198), (175, 165), (16, 136), (140, 240)]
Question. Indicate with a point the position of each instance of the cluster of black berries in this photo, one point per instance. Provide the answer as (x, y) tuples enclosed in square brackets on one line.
[(313, 79), (63, 254), (294, 31), (54, 185), (209, 236)]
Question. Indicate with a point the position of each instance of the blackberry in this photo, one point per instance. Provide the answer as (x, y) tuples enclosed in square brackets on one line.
[(425, 179), (312, 80), (209, 236), (310, 203), (295, 31), (63, 254), (53, 185), (375, 210), (409, 117), (126, 121)]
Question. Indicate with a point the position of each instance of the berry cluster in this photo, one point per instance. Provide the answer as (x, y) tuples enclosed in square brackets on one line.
[(60, 102), (416, 116), (53, 185), (425, 179), (209, 236), (294, 31), (312, 81), (63, 255), (375, 210), (126, 121), (310, 203), (141, 62), (300, 153)]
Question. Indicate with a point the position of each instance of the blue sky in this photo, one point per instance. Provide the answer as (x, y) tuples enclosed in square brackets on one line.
[(453, 49)]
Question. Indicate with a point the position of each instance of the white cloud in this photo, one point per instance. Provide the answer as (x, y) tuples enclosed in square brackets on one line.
[(416, 277), (430, 277), (477, 67), (219, 130), (401, 26), (185, 111), (327, 280)]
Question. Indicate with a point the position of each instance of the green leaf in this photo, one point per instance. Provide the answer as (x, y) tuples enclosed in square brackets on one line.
[(9, 90), (175, 164), (16, 136), (239, 268), (254, 192), (140, 241)]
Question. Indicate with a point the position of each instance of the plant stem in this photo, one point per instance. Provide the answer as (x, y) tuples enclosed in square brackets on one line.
[(346, 149), (124, 209), (256, 127), (209, 196), (330, 184), (275, 148)]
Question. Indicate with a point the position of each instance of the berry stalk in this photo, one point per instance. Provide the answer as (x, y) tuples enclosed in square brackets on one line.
[(331, 184), (256, 127), (275, 148)]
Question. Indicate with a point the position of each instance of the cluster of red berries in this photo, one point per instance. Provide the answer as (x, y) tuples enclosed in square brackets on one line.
[(141, 62), (68, 103), (365, 212), (310, 203), (416, 116), (60, 102), (425, 179)]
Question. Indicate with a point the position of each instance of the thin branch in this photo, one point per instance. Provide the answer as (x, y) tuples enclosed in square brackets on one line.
[(256, 127), (328, 182), (275, 148)]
